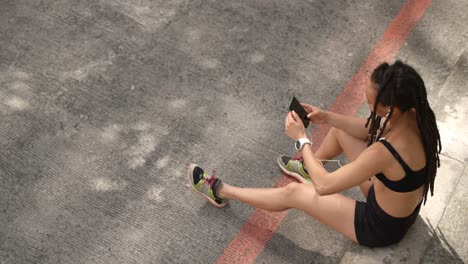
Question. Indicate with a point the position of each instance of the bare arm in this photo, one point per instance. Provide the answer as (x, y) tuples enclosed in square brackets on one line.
[(354, 126), (352, 174)]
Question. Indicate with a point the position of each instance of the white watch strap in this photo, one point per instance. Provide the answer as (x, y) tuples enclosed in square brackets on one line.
[(303, 141)]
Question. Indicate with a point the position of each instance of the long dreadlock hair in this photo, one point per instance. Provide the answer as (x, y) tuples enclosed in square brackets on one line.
[(399, 85)]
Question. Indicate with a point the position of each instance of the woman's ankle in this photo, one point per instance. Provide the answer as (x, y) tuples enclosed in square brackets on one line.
[(223, 191)]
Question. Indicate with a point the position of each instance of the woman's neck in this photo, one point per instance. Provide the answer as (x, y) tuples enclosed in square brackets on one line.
[(400, 121)]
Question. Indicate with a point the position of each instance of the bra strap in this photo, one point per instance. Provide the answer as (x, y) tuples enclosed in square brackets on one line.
[(396, 155)]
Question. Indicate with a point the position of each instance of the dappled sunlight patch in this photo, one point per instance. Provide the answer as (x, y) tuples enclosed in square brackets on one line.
[(257, 57), (20, 87), (103, 184), (142, 126), (17, 104), (162, 162), (135, 235), (154, 193), (151, 15), (201, 110), (209, 63), (178, 103), (12, 73), (21, 75), (140, 141), (111, 133), (137, 161), (139, 152), (193, 34), (191, 40), (99, 67)]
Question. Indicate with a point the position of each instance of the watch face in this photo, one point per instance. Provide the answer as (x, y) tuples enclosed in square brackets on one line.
[(298, 145)]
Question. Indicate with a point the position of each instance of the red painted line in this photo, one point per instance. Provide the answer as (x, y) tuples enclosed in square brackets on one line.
[(261, 225)]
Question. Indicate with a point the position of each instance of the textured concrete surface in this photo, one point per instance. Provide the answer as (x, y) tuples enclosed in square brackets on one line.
[(102, 103), (450, 241)]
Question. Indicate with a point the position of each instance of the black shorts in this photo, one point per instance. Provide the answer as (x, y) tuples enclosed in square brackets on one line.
[(375, 228)]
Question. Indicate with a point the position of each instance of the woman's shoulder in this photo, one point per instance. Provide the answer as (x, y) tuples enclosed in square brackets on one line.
[(410, 149), (380, 153)]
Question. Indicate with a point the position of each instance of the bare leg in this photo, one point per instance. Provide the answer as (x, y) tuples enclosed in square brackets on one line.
[(337, 142), (336, 211), (330, 146)]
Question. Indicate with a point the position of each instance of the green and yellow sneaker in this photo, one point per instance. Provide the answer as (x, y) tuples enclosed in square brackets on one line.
[(206, 185), (294, 167)]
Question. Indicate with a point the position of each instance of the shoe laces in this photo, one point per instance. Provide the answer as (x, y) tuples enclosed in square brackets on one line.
[(301, 159), (211, 180), (298, 158)]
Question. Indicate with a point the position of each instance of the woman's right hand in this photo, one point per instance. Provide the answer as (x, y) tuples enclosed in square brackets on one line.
[(315, 114)]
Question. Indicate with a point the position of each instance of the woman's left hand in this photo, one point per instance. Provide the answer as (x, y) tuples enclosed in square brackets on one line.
[(294, 127)]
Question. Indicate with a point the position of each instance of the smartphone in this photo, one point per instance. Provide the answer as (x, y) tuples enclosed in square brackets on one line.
[(300, 111)]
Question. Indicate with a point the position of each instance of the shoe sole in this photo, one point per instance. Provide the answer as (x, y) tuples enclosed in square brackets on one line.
[(213, 202), (295, 175)]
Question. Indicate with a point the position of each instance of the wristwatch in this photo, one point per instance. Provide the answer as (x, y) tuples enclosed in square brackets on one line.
[(301, 142)]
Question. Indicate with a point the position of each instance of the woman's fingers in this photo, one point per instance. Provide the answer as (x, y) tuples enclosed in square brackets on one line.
[(290, 119), (309, 108), (312, 114), (294, 115)]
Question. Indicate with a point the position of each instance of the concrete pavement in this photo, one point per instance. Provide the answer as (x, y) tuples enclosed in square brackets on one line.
[(102, 104)]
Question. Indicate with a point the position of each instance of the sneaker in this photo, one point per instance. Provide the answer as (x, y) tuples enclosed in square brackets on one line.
[(206, 185), (294, 167)]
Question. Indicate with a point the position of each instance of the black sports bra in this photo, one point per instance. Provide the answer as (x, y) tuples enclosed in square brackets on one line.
[(412, 180)]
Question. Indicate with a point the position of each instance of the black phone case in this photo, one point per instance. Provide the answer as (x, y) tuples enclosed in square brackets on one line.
[(300, 111)]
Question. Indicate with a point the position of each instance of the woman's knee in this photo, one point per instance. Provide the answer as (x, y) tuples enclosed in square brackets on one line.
[(291, 188), (291, 191), (295, 193), (338, 133), (350, 145)]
